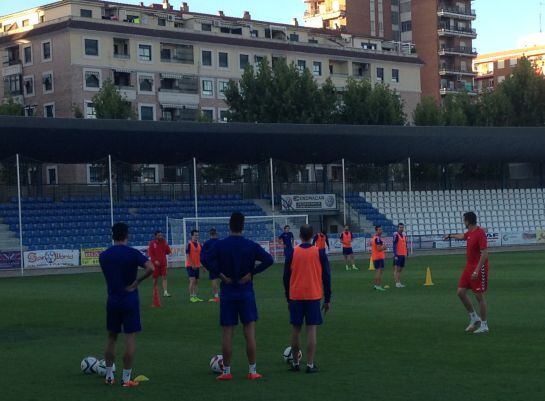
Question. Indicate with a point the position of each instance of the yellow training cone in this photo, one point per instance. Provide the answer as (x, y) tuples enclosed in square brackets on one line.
[(428, 277), (371, 265), (141, 378)]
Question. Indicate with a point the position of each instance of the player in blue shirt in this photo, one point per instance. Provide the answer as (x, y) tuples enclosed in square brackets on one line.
[(206, 248), (119, 264), (287, 239), (234, 259)]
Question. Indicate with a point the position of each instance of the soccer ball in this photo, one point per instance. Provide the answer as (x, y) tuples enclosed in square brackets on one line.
[(288, 356), (216, 364), (101, 368), (88, 365)]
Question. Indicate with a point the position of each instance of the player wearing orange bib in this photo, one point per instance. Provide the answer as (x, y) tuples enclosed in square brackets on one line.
[(346, 241), (378, 254), (193, 265), (400, 254), (320, 240)]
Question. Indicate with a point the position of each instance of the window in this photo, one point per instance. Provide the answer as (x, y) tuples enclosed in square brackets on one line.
[(395, 75), (406, 26), (42, 19), (513, 62), (207, 87), (51, 175), (501, 78), (121, 48), (223, 59), (258, 60), (380, 74), (206, 58), (144, 52), (368, 46), (30, 111), (46, 51), (232, 31), (27, 55), (172, 53), (28, 86), (92, 80), (254, 33), (147, 112), (208, 114), (294, 37), (162, 22), (223, 115), (12, 84), (222, 87), (85, 13), (49, 110), (501, 63), (47, 82), (313, 41), (145, 83), (90, 111), (25, 23), (91, 47), (96, 174), (149, 174), (301, 65), (122, 79), (317, 68), (206, 27), (244, 60)]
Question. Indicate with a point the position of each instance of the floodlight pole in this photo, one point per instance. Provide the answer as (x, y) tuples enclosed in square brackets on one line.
[(411, 203), (273, 242), (195, 193), (272, 184), (111, 191), (344, 193), (20, 214)]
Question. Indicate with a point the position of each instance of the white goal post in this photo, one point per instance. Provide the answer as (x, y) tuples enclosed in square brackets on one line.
[(261, 229)]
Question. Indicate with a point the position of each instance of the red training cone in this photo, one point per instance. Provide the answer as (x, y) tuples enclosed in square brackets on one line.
[(156, 300)]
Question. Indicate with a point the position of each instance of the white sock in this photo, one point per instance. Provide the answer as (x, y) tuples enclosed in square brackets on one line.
[(310, 365), (127, 375), (109, 372), (474, 317), (252, 368), (484, 323), (227, 370), (216, 295), (353, 265)]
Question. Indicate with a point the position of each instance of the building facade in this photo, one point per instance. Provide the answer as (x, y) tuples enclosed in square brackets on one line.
[(441, 31), (170, 63)]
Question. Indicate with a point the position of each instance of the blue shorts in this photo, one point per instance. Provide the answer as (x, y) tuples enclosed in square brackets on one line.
[(399, 261), (193, 273), (379, 263), (347, 251), (123, 316), (307, 311), (233, 308)]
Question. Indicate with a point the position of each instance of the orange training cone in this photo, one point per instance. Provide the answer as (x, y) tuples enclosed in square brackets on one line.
[(156, 300), (371, 264), (429, 281)]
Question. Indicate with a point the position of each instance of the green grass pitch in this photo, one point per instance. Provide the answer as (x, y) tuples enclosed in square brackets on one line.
[(404, 344)]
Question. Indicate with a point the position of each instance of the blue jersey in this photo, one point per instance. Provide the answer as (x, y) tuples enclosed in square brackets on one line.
[(206, 248), (287, 239), (235, 257), (119, 264)]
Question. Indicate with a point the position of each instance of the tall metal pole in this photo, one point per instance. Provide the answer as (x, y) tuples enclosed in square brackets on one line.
[(20, 215), (272, 184), (344, 193), (196, 193), (110, 179), (273, 242), (411, 204)]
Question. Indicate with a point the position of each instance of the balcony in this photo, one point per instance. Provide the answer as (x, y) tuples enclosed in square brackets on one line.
[(456, 12), (177, 97), (455, 31), (127, 92), (453, 70), (453, 91), (13, 67), (458, 51)]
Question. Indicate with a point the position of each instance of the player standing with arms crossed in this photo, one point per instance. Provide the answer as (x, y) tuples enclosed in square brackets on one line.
[(193, 265), (400, 254), (346, 240), (234, 259), (287, 240), (119, 264), (378, 254), (158, 250), (206, 248), (321, 241), (475, 274), (307, 279)]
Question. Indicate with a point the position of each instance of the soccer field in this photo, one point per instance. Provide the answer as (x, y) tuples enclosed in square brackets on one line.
[(405, 344)]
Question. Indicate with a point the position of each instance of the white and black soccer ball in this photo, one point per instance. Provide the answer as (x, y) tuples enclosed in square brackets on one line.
[(101, 368), (288, 355), (88, 365), (216, 364)]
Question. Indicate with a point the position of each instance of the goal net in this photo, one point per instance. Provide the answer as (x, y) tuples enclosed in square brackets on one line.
[(261, 229)]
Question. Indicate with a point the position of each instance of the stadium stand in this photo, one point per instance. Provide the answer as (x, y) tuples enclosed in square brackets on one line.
[(437, 212), (84, 222)]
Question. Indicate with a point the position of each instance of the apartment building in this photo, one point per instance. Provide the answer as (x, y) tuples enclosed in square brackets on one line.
[(171, 62), (440, 30)]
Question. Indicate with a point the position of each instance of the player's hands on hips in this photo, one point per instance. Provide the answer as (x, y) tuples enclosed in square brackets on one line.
[(326, 307), (132, 287), (225, 279), (474, 275), (446, 237), (156, 263), (246, 279)]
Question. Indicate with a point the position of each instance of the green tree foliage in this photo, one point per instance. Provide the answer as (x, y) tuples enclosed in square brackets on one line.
[(11, 108), (109, 104), (427, 112)]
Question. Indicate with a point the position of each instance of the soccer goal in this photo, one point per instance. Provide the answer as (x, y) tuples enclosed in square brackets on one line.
[(261, 229)]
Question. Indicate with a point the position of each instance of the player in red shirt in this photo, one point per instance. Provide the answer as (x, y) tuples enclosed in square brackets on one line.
[(158, 250), (475, 274)]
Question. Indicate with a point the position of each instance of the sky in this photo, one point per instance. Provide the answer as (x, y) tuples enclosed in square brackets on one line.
[(500, 23)]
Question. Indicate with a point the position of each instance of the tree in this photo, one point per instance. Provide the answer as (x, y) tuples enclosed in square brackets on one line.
[(427, 112), (386, 107), (11, 108), (109, 104), (354, 107)]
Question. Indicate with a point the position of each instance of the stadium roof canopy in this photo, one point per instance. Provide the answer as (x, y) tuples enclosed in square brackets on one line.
[(79, 141)]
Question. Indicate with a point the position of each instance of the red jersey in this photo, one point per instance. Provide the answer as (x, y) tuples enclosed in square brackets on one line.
[(476, 242), (158, 251)]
